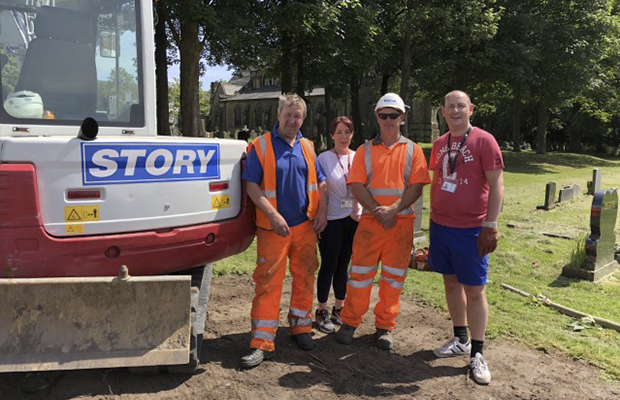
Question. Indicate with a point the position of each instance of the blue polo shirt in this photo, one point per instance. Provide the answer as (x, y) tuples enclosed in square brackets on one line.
[(291, 177)]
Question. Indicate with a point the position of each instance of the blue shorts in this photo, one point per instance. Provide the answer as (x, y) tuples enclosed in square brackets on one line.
[(454, 251)]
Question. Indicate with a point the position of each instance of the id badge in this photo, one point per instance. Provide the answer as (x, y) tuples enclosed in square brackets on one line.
[(346, 203), (449, 186)]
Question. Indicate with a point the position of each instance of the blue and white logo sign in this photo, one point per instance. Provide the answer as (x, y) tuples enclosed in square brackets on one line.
[(110, 163)]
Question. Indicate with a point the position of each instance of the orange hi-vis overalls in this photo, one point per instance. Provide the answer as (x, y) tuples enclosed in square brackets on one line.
[(273, 250), (386, 173)]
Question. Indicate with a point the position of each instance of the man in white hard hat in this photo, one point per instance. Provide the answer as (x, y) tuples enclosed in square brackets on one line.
[(386, 178)]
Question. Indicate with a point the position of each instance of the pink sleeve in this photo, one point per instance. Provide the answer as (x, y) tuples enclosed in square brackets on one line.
[(432, 160), (491, 154)]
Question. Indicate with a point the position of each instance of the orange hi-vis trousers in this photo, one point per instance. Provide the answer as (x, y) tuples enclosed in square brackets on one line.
[(373, 243), (272, 252)]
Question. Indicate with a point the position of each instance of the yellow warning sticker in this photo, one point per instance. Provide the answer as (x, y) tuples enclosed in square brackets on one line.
[(74, 228), (218, 202), (76, 214)]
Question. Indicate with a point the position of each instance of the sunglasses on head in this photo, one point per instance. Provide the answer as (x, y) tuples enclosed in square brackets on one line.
[(393, 115)]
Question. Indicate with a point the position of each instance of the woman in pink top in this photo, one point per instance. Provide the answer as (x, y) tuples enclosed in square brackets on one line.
[(343, 213)]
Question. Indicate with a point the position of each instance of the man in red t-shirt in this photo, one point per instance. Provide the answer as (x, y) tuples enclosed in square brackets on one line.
[(466, 198)]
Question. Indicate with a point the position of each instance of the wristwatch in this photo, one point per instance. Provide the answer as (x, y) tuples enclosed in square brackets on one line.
[(489, 224)]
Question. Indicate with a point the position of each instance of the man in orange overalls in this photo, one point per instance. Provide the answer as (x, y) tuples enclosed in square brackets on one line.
[(287, 185), (386, 178)]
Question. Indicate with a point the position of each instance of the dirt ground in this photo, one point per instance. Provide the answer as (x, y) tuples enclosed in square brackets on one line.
[(332, 370)]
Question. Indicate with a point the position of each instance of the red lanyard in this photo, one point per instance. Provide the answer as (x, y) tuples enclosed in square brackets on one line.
[(453, 163), (344, 173)]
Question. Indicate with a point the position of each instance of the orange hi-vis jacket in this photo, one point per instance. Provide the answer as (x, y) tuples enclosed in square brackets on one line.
[(391, 176), (267, 158)]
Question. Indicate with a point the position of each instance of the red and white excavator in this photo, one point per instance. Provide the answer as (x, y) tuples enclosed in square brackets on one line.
[(108, 232)]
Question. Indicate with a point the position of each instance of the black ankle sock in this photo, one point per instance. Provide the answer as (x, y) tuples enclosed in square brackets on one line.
[(461, 333), (476, 347)]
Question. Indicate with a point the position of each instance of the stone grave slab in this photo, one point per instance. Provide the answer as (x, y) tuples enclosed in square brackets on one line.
[(418, 233), (600, 245), (549, 197), (595, 184), (569, 192)]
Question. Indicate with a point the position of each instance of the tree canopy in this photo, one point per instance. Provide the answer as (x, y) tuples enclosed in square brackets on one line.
[(545, 71)]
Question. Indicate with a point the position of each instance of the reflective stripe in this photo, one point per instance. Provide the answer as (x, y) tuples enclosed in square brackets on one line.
[(263, 335), (408, 162), (368, 162), (301, 321), (270, 194), (265, 323), (386, 192), (406, 172), (307, 142), (358, 269), (260, 260), (360, 284), (298, 313), (312, 187), (394, 271), (393, 282), (263, 145)]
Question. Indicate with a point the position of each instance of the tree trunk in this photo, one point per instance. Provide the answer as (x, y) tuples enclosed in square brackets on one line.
[(161, 73), (189, 50), (328, 117), (406, 71), (356, 116), (301, 82), (600, 144), (541, 131), (574, 142), (286, 75), (385, 81), (516, 121)]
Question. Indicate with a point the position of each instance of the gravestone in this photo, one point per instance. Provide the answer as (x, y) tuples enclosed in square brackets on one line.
[(596, 180), (549, 197), (600, 245), (569, 193), (418, 233), (595, 184)]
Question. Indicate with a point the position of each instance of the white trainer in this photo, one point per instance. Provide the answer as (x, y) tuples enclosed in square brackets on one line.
[(480, 369), (453, 347)]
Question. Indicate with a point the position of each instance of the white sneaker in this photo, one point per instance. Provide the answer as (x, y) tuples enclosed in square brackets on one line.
[(323, 321), (453, 347), (480, 369)]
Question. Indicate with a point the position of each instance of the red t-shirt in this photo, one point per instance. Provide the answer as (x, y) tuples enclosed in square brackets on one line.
[(460, 200)]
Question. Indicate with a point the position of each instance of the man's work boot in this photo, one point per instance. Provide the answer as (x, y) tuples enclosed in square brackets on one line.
[(255, 357), (384, 339), (345, 334), (304, 341)]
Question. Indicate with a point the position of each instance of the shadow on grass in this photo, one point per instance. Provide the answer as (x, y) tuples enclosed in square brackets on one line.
[(528, 162), (563, 282), (532, 163)]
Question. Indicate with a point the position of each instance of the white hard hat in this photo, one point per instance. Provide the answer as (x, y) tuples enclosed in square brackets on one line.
[(391, 100), (24, 104)]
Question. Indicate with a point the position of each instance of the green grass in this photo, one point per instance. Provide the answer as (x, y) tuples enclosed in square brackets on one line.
[(530, 261)]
